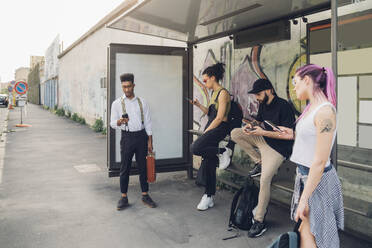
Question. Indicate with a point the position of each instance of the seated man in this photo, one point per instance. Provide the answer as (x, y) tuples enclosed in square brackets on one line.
[(272, 148)]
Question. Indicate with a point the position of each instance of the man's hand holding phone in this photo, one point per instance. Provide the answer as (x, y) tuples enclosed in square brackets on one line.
[(248, 127), (123, 120), (255, 130), (248, 130)]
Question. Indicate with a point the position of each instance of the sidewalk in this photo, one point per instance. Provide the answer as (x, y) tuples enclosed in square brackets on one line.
[(55, 192), (3, 132)]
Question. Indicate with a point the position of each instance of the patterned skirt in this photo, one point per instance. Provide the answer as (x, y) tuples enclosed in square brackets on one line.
[(326, 210)]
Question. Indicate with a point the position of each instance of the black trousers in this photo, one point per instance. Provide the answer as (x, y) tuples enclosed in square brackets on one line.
[(133, 143), (206, 146)]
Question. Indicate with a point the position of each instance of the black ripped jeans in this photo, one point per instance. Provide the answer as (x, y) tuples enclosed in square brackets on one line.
[(206, 146)]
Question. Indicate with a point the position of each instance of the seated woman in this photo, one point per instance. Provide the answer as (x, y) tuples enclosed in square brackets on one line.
[(216, 130)]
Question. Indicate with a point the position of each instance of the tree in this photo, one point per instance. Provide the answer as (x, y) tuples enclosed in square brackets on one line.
[(4, 91), (33, 94)]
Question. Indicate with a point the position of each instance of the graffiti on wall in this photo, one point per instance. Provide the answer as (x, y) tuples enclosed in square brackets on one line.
[(298, 105), (243, 71), (300, 60), (238, 82)]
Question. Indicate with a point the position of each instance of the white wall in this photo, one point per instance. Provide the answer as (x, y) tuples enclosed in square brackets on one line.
[(51, 60), (81, 69)]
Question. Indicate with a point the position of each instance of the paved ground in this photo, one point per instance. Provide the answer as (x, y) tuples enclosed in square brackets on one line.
[(55, 193), (3, 132)]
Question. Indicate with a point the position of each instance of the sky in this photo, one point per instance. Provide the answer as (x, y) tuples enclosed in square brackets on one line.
[(28, 27)]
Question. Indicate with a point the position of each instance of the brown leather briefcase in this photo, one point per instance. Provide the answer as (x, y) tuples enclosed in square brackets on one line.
[(151, 173)]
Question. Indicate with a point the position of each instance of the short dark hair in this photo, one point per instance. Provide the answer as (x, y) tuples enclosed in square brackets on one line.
[(127, 77)]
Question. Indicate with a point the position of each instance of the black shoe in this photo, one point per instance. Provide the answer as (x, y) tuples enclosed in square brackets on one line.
[(146, 199), (123, 203), (257, 229), (256, 171)]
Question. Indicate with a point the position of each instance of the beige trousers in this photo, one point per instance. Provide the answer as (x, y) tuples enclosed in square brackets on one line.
[(270, 160)]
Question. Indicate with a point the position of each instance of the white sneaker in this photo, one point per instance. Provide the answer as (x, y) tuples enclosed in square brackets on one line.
[(225, 159), (205, 203)]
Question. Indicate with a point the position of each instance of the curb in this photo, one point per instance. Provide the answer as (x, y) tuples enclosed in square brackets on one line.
[(3, 144)]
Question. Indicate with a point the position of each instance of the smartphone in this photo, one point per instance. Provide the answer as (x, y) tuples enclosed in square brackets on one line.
[(275, 128), (188, 99), (249, 129)]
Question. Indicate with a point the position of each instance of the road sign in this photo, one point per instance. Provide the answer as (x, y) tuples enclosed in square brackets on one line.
[(21, 87), (12, 82), (10, 88), (21, 103)]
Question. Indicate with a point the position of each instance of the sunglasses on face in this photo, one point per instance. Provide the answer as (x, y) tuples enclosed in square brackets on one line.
[(293, 81)]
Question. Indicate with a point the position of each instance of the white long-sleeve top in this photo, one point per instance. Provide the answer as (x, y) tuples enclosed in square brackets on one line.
[(134, 113)]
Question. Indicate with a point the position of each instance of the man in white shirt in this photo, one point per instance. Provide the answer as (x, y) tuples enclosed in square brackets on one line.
[(131, 115)]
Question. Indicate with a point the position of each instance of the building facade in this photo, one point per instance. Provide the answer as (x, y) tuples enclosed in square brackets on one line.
[(34, 60), (21, 74), (49, 80)]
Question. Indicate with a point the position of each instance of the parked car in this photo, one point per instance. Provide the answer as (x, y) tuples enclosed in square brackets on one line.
[(4, 100)]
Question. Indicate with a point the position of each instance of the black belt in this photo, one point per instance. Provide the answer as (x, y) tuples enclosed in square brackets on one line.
[(130, 133)]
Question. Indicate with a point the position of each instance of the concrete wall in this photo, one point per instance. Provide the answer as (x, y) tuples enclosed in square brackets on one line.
[(81, 71), (34, 60)]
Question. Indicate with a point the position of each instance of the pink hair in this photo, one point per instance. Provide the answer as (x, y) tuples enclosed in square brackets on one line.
[(323, 79)]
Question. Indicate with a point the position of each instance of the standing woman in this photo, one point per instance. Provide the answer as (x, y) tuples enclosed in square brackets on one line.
[(216, 130), (317, 198)]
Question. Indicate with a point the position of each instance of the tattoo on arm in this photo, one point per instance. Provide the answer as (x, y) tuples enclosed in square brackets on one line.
[(326, 126)]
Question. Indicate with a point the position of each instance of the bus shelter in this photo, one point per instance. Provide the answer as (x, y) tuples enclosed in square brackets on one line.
[(255, 39), (168, 72)]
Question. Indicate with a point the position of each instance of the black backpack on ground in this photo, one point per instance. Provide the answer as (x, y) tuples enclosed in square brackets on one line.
[(289, 239), (244, 201), (235, 115)]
